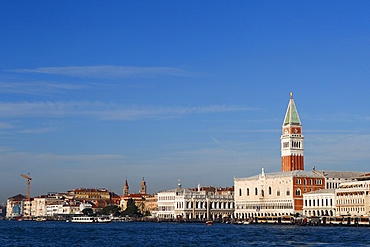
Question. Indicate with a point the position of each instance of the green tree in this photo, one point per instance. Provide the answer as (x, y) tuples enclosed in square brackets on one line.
[(131, 209), (88, 211), (112, 209)]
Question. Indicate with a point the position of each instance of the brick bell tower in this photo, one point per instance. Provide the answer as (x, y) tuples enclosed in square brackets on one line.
[(143, 187), (292, 157)]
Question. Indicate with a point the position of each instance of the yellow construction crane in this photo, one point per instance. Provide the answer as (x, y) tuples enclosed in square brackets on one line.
[(28, 185)]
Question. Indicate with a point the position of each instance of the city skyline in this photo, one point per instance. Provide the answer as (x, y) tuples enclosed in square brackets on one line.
[(92, 94)]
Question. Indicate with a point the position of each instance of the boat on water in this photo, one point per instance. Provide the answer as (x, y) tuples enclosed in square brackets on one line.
[(40, 219), (209, 222), (90, 219)]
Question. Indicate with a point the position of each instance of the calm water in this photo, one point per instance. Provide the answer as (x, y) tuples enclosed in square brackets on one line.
[(171, 234)]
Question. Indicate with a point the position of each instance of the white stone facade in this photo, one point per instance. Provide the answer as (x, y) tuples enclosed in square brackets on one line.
[(352, 198), (319, 203), (194, 205), (273, 194)]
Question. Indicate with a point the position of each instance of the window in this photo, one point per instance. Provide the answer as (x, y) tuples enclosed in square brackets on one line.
[(287, 192), (270, 191), (256, 191), (298, 181), (240, 192), (278, 192), (247, 191), (262, 193), (297, 192)]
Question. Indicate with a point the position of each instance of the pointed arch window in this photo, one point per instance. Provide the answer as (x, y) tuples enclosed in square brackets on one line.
[(298, 192)]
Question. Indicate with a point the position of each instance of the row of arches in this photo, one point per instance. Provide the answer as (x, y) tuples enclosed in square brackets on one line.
[(319, 212), (212, 205), (243, 216)]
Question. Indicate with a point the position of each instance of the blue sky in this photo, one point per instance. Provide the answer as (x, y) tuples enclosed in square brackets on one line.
[(96, 92)]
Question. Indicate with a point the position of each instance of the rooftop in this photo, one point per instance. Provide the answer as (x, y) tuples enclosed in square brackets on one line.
[(297, 173)]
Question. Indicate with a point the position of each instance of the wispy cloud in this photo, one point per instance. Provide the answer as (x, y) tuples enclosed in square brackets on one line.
[(8, 156), (105, 111), (38, 88), (110, 72), (37, 130), (335, 149), (4, 125)]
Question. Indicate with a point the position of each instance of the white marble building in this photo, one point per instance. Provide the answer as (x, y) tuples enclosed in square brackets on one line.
[(319, 203), (199, 204), (274, 194), (352, 198)]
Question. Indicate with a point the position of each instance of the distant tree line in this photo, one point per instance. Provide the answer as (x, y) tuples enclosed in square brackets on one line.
[(131, 210)]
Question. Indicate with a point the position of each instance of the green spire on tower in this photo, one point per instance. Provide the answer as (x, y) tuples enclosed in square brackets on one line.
[(291, 115)]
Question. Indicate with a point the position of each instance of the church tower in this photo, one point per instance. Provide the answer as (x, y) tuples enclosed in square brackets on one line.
[(125, 188), (292, 157), (143, 187)]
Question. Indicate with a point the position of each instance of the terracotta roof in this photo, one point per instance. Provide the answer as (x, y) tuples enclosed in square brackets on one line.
[(18, 197)]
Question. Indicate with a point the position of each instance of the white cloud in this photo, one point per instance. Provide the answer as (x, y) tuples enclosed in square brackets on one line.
[(339, 149), (38, 88), (110, 72), (37, 130), (104, 110), (9, 156), (4, 125)]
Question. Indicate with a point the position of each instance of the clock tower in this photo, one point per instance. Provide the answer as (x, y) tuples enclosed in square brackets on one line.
[(292, 157)]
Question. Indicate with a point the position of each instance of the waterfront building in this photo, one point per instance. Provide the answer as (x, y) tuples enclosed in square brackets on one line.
[(196, 204), (334, 178), (99, 197), (28, 209), (14, 206), (47, 205), (39, 205), (274, 194), (90, 194), (151, 204), (279, 193), (319, 203), (352, 198)]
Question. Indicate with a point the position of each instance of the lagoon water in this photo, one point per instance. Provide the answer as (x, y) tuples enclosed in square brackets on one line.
[(51, 233)]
